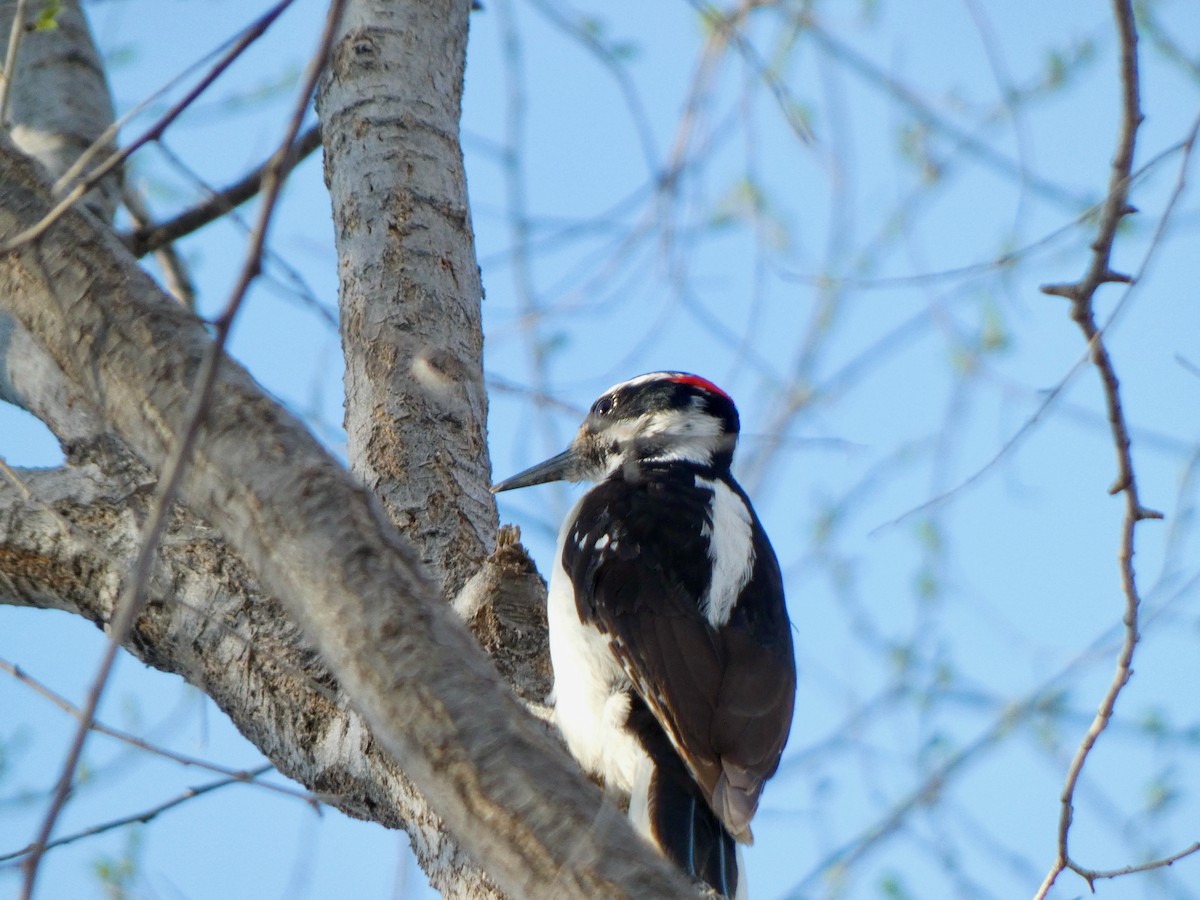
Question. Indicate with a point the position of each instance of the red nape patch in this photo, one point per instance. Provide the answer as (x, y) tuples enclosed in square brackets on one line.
[(702, 383)]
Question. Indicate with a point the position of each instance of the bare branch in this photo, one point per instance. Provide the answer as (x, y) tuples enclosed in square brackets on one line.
[(924, 113), (177, 462), (175, 273), (149, 237), (10, 59), (1081, 294), (731, 26), (926, 793), (412, 336), (1093, 875), (134, 741), (142, 817), (319, 542), (114, 160)]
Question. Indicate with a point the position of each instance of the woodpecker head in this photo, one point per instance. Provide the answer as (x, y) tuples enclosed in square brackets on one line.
[(660, 417)]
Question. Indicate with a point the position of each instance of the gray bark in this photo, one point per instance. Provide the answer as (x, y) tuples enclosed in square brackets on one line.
[(60, 103), (70, 545), (410, 288), (317, 540), (105, 359)]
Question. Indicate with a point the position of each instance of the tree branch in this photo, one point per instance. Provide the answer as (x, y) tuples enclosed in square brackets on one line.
[(1081, 294), (176, 464), (151, 237), (416, 405), (15, 32), (319, 542), (114, 160), (1091, 876), (208, 621), (142, 817), (134, 741)]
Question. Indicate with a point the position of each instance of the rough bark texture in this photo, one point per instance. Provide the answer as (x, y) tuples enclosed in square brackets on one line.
[(107, 361), (70, 545), (317, 540), (60, 103), (207, 620), (410, 288)]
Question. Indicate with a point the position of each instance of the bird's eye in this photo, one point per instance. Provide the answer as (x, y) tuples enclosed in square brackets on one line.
[(605, 405)]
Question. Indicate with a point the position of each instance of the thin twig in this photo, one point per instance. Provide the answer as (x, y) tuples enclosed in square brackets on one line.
[(142, 817), (1093, 875), (178, 280), (1044, 699), (289, 280), (86, 183), (925, 794), (1184, 147), (756, 466), (575, 25), (151, 237), (1006, 260), (1005, 450), (731, 27), (924, 113), (1081, 294), (10, 60), (1135, 512), (174, 467), (134, 741), (7, 472)]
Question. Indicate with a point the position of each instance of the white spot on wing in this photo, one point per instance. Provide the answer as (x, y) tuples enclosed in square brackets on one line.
[(730, 549)]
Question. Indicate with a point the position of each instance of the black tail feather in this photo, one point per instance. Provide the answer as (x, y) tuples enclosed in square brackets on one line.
[(681, 822), (689, 833)]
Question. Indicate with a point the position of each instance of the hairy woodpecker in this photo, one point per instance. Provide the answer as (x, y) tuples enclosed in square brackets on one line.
[(674, 677)]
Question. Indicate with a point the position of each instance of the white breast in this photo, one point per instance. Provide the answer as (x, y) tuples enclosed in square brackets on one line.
[(590, 704)]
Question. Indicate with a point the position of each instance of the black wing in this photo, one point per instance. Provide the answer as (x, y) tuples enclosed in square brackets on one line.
[(723, 696)]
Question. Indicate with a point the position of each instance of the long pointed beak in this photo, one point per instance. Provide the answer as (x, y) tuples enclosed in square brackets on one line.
[(556, 468)]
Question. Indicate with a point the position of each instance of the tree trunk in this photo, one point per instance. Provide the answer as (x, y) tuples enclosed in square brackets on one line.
[(416, 411), (108, 361)]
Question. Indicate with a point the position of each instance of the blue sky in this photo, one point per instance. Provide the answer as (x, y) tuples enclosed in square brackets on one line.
[(776, 267)]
